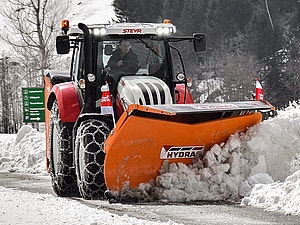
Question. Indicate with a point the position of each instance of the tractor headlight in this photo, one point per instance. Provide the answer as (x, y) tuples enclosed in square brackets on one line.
[(102, 31), (96, 31), (99, 31), (163, 31), (159, 31), (91, 77), (180, 77)]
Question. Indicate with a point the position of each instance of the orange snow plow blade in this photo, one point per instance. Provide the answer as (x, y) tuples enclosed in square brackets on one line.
[(146, 136)]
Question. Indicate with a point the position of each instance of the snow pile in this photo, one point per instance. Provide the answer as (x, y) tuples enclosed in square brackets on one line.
[(220, 175), (277, 196), (277, 140), (24, 152), (246, 166)]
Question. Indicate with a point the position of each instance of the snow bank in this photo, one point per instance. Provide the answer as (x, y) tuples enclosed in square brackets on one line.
[(283, 197), (226, 172), (23, 152), (266, 152)]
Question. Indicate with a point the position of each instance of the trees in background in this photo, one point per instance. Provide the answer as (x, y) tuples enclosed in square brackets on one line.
[(31, 26), (265, 31), (10, 94), (270, 37), (136, 10), (238, 73), (29, 32)]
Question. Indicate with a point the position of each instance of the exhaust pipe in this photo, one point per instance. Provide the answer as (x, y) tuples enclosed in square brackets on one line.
[(90, 92)]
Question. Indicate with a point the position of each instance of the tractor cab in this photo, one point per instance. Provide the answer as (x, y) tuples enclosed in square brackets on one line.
[(98, 48)]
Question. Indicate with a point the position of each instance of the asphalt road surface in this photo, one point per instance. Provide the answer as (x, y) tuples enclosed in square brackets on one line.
[(189, 214)]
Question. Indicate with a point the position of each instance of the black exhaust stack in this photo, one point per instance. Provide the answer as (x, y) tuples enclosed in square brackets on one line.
[(90, 92)]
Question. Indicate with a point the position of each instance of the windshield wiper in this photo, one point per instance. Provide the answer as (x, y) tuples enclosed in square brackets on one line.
[(148, 46)]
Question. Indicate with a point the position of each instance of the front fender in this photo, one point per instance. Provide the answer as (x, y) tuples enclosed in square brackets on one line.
[(69, 101)]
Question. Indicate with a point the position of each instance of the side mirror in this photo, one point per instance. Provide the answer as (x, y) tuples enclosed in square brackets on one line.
[(108, 49), (199, 42), (62, 44)]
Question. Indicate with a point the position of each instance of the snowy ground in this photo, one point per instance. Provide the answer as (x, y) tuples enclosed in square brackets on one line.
[(263, 165), (19, 207)]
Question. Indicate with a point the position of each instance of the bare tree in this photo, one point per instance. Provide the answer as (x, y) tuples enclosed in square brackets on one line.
[(238, 73), (11, 101), (30, 29), (4, 95)]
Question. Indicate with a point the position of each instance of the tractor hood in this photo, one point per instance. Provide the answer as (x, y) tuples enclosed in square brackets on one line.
[(143, 90)]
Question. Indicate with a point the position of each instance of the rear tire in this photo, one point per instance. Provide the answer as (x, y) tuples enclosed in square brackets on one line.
[(62, 170), (89, 157)]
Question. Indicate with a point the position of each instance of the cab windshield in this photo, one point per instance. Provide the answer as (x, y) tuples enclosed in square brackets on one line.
[(121, 57)]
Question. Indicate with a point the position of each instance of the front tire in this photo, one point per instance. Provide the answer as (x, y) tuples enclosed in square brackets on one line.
[(61, 165), (89, 157)]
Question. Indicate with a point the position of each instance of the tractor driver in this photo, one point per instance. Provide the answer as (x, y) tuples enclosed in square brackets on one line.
[(123, 61)]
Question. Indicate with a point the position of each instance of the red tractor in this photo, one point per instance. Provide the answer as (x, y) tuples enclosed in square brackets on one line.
[(152, 115)]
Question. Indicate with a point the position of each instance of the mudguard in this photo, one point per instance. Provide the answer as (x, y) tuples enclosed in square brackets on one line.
[(69, 100), (146, 136)]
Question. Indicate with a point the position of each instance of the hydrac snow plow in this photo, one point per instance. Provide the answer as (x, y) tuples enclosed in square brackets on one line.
[(109, 129)]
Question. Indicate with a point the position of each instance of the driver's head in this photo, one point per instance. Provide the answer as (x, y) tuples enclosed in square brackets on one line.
[(124, 45)]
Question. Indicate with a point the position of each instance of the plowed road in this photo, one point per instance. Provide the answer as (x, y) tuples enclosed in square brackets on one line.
[(196, 213)]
